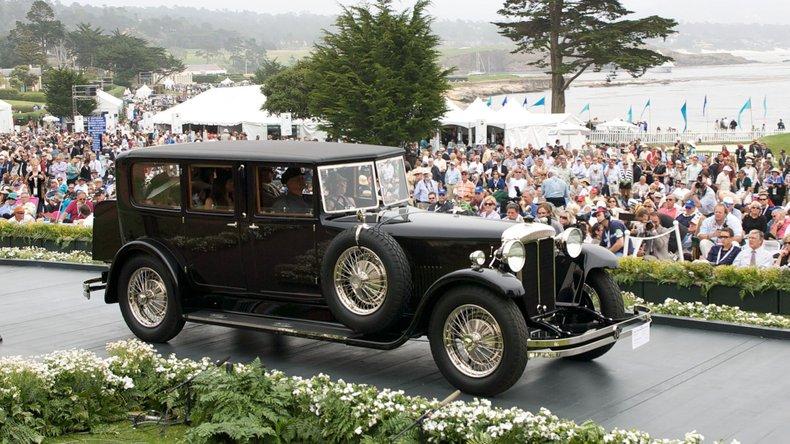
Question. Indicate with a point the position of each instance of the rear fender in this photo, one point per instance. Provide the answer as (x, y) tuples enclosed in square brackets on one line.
[(505, 285), (146, 246)]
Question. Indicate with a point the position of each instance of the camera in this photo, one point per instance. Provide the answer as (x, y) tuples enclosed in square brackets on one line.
[(649, 226)]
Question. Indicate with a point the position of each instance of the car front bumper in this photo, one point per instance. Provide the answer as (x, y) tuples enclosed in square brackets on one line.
[(591, 340)]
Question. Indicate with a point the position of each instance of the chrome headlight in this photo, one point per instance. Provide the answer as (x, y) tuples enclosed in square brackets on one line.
[(570, 241), (478, 258), (513, 254)]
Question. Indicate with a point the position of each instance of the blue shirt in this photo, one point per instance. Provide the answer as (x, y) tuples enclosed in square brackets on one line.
[(452, 176), (555, 188), (614, 232)]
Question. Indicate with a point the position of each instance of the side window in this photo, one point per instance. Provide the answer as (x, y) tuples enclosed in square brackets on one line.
[(211, 188), (284, 190), (156, 184)]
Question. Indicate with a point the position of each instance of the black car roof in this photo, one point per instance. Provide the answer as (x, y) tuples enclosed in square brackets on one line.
[(265, 151)]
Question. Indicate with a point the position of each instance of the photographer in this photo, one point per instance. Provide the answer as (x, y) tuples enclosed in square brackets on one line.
[(703, 196)]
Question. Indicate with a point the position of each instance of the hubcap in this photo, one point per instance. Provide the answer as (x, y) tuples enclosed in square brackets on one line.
[(360, 280), (473, 340), (147, 296)]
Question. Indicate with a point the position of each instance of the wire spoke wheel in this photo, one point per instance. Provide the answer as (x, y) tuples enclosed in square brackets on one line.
[(591, 299), (473, 340), (360, 280), (147, 295)]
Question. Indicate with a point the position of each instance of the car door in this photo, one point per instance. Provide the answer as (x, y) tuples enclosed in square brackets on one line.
[(211, 243), (279, 245)]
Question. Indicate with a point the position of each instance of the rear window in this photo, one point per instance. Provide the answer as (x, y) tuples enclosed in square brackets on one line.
[(156, 185)]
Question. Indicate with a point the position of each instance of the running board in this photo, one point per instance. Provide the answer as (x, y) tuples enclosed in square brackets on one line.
[(325, 331)]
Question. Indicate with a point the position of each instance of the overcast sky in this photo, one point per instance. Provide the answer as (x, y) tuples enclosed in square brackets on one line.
[(718, 11)]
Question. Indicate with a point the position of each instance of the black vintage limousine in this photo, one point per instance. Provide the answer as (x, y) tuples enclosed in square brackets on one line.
[(317, 240)]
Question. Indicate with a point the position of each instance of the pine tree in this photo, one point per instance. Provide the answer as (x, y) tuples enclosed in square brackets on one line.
[(575, 35)]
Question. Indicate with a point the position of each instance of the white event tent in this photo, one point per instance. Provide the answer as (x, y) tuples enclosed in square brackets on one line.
[(107, 103), (6, 118), (520, 126), (143, 92), (617, 125), (229, 107)]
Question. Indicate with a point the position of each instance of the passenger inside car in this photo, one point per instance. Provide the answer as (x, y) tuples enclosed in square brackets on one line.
[(294, 201)]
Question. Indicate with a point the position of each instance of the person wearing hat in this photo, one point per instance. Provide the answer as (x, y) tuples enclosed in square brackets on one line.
[(423, 188), (776, 186), (613, 236), (465, 190), (7, 209), (724, 179), (20, 216), (293, 201), (749, 169), (439, 202)]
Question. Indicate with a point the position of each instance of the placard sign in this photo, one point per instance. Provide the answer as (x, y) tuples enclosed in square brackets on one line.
[(97, 125), (285, 125), (640, 336)]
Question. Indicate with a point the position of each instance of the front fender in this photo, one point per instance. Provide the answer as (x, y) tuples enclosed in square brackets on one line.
[(140, 246), (596, 256), (505, 285)]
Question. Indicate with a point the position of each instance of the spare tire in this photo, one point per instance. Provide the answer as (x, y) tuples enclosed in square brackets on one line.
[(366, 279)]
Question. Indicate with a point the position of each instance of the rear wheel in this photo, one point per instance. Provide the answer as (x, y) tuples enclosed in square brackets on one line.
[(601, 294), (478, 340), (146, 294)]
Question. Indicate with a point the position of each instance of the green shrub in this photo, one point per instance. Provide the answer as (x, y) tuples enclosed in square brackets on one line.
[(749, 280), (24, 118), (29, 96), (64, 234)]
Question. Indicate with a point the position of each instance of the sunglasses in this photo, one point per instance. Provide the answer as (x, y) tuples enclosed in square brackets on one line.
[(564, 217), (489, 204), (724, 237)]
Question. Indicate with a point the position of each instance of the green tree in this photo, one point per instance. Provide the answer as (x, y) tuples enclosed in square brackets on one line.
[(22, 79), (57, 86), (288, 90), (45, 29), (572, 36), (267, 70), (376, 79), (25, 48), (84, 43), (128, 56)]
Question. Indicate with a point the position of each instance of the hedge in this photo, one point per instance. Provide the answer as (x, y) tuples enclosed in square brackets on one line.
[(750, 280), (29, 96), (74, 391), (63, 234)]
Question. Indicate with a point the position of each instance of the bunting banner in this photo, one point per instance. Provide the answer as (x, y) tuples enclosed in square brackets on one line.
[(490, 101), (705, 105), (647, 105), (540, 102), (504, 102), (586, 108), (630, 116), (525, 104), (746, 106), (765, 106), (683, 112)]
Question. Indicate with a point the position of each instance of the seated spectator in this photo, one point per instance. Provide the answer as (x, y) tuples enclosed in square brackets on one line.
[(20, 216), (546, 216), (754, 219), (7, 209), (657, 248), (86, 216), (710, 228), (783, 260), (613, 231), (72, 213), (512, 213), (754, 253), (777, 228), (725, 252), (489, 209)]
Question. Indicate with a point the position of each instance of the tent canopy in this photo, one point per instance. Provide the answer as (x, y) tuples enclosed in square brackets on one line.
[(6, 118), (107, 103), (143, 92), (617, 125), (226, 82), (220, 106)]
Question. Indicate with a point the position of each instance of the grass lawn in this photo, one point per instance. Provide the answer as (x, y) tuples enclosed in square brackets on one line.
[(122, 432), (22, 105), (777, 142)]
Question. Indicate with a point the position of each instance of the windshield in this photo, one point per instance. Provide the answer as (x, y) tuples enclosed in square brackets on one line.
[(392, 181), (354, 186), (348, 187)]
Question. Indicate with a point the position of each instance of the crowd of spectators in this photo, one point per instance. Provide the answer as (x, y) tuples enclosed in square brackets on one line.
[(727, 205)]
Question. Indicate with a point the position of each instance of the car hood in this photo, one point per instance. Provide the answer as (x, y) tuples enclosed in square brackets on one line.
[(421, 224)]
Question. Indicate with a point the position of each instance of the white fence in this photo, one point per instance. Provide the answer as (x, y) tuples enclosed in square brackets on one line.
[(637, 241), (672, 137)]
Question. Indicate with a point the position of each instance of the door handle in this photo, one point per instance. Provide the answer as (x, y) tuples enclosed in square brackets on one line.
[(233, 224), (253, 227)]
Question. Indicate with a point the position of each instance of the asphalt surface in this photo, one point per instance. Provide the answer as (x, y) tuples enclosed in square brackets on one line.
[(723, 385)]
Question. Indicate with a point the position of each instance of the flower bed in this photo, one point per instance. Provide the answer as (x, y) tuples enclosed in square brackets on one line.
[(75, 390), (710, 312), (42, 254)]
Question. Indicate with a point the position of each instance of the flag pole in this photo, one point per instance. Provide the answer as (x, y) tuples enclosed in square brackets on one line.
[(650, 117), (751, 117)]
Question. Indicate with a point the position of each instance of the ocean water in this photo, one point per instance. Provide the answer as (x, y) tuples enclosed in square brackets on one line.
[(727, 88)]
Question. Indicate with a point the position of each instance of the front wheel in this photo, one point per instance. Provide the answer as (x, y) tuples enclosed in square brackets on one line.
[(601, 294), (478, 340), (147, 296)]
